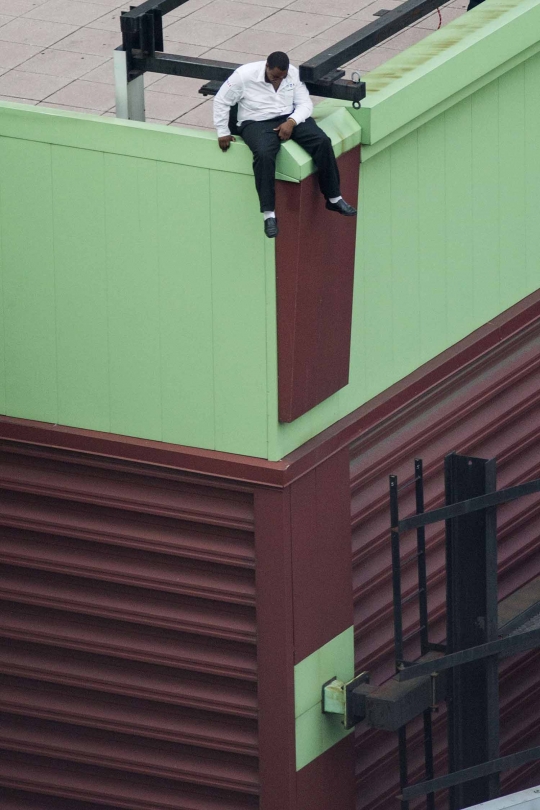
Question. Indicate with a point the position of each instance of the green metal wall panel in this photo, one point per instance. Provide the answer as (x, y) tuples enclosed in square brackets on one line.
[(80, 288), (29, 318), (133, 300), (532, 161), (484, 206), (138, 290), (447, 235), (239, 288), (185, 281)]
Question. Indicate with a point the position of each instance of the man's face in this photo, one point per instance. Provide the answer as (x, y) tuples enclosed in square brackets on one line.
[(275, 75)]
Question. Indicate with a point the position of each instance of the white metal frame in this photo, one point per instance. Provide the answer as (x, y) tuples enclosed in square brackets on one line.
[(129, 95)]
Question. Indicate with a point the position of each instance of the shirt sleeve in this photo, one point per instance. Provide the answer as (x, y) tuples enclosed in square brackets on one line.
[(228, 94), (303, 105)]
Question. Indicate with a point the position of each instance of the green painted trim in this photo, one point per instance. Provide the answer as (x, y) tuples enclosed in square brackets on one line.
[(445, 63), (186, 146), (341, 128), (315, 731), (369, 151)]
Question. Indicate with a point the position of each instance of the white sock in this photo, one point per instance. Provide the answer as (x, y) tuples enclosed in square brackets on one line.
[(334, 199), (268, 214)]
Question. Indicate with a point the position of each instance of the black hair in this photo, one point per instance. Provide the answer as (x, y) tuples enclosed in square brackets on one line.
[(279, 60)]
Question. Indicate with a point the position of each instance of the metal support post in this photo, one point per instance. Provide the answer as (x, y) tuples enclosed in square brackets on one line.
[(129, 94), (471, 566), (396, 571), (424, 635)]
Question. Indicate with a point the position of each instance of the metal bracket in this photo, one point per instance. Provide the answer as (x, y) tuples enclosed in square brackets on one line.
[(338, 698)]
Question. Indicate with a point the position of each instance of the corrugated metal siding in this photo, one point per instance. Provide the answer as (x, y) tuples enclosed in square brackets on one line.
[(490, 409), (128, 668)]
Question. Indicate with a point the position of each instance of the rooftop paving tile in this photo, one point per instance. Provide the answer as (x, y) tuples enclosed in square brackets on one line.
[(82, 93), (342, 9), (178, 86), (296, 22), (13, 54), (35, 32), (187, 9), (71, 108), (406, 38), (16, 8), (236, 57), (62, 63), (310, 48), (199, 32), (274, 3), (90, 40), (104, 74), (241, 14), (108, 22), (167, 106), (66, 11), (31, 101), (107, 5), (255, 41), (200, 116), (18, 83), (367, 13)]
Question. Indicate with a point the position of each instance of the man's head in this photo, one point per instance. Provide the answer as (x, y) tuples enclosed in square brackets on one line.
[(277, 66)]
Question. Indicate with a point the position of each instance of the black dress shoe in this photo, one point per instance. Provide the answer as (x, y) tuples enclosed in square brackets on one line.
[(341, 207), (270, 227)]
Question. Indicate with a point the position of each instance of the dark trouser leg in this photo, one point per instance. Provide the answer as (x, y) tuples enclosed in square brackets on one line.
[(317, 144), (264, 143)]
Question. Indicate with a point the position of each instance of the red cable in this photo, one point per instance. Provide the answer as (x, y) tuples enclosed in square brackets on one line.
[(440, 18)]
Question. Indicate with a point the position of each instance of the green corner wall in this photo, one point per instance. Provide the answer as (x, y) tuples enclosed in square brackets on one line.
[(138, 289), (449, 199)]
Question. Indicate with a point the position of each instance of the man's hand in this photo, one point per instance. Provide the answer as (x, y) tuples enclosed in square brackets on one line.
[(225, 142), (285, 130)]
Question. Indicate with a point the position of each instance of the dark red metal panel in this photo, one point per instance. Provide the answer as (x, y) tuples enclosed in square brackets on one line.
[(275, 642), (128, 667), (304, 600), (315, 253), (321, 564), (324, 783)]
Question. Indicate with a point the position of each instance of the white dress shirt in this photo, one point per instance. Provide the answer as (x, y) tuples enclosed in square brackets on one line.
[(256, 98)]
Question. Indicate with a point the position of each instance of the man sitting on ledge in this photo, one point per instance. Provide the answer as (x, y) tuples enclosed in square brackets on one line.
[(273, 106)]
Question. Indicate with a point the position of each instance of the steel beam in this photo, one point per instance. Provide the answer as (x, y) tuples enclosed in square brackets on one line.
[(471, 610), (215, 73), (503, 647), (393, 704), (129, 93), (162, 6), (469, 505), (476, 772), (365, 38)]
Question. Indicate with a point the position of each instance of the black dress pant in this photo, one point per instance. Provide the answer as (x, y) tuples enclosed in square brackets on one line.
[(265, 143)]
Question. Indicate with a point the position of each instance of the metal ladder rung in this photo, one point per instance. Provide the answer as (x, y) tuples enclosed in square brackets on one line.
[(412, 596)]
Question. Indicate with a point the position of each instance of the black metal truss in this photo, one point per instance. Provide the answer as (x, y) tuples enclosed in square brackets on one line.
[(142, 40), (469, 774), (521, 632), (468, 506), (503, 647)]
